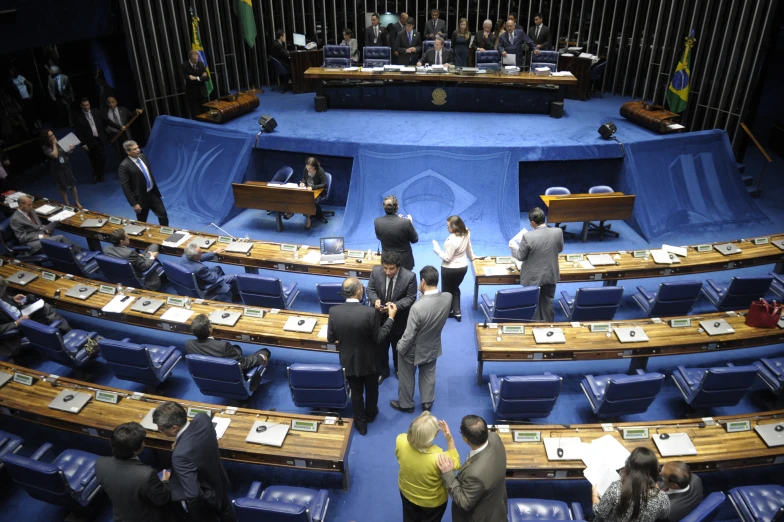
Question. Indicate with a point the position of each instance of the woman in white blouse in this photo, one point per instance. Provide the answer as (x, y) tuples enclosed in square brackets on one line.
[(455, 257)]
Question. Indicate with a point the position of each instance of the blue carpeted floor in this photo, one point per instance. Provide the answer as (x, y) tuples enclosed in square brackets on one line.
[(373, 494)]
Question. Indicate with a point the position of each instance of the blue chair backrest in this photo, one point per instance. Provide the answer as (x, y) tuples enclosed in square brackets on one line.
[(516, 303), (376, 56), (218, 377), (743, 290), (313, 384), (181, 278), (7, 236), (521, 509), (596, 304), (634, 387), (545, 59), (600, 189), (724, 386), (556, 191), (41, 480), (707, 510), (47, 341), (676, 298), (527, 396), (431, 44), (280, 70), (118, 270), (254, 510), (257, 290), (337, 56), (283, 175), (328, 188), (598, 72), (129, 361), (329, 295), (488, 60), (62, 257)]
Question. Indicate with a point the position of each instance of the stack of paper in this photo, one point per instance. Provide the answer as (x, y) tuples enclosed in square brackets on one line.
[(313, 257), (322, 332), (563, 73), (679, 251), (221, 424), (542, 71), (349, 69), (602, 458), (44, 209), (495, 270), (177, 315), (60, 216), (118, 304)]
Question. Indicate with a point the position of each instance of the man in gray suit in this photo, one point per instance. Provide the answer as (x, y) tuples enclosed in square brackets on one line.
[(121, 249), (539, 249), (479, 491), (29, 230), (420, 345)]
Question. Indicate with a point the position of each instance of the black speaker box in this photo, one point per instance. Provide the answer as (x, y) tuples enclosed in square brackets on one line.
[(556, 109), (267, 123), (321, 104)]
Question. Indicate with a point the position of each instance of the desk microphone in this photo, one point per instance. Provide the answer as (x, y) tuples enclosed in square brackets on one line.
[(378, 249), (216, 226)]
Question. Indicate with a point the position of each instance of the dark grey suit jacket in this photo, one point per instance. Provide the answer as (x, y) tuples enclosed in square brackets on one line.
[(403, 294), (479, 491), (396, 235), (681, 504), (224, 349), (539, 249), (27, 231), (434, 29), (133, 182), (544, 39), (430, 57), (370, 34), (423, 329), (139, 262), (136, 492)]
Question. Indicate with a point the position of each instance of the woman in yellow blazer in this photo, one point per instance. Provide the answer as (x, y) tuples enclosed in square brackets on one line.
[(421, 488)]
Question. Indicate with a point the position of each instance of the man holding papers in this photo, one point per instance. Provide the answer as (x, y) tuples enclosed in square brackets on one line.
[(511, 41)]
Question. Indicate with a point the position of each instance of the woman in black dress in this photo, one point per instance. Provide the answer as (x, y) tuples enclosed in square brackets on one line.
[(460, 39), (60, 166), (313, 178)]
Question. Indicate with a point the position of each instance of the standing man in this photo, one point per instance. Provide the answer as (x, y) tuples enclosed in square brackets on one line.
[(511, 42), (118, 117), (391, 283), (396, 233), (198, 479), (29, 230), (395, 29), (539, 249), (374, 35), (140, 262), (408, 46), (61, 93), (356, 328), (212, 280), (683, 488), (479, 491), (540, 33), (139, 185), (195, 74), (420, 345), (90, 128), (434, 27), (136, 492)]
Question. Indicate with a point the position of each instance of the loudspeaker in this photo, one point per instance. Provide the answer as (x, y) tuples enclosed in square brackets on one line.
[(321, 104), (556, 109), (607, 130), (267, 123)]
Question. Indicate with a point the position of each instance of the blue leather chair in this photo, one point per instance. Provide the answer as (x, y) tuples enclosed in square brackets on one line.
[(490, 60), (521, 509), (739, 294), (601, 229), (63, 258), (283, 175), (281, 73), (218, 377), (143, 363), (547, 59), (597, 73), (337, 56), (511, 304), (592, 304), (68, 351), (524, 397), (676, 298), (376, 56), (184, 281), (257, 290), (430, 44), (771, 371), (620, 394), (8, 444), (707, 510), (13, 332), (329, 295), (758, 503), (9, 246), (69, 481), (118, 270), (328, 188), (714, 387), (777, 285), (559, 191), (318, 386), (282, 504)]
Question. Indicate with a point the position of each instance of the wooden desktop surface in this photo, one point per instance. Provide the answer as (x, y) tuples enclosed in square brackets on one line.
[(524, 78), (588, 207), (324, 450)]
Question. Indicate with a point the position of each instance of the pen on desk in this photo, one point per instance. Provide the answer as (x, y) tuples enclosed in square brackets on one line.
[(125, 298)]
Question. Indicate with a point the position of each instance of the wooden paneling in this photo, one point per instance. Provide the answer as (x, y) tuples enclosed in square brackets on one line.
[(301, 61), (259, 195), (588, 207)]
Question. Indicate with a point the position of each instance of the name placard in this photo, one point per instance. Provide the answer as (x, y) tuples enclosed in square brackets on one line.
[(106, 289), (106, 396), (680, 323), (503, 260), (254, 312), (192, 412), (634, 433), (526, 436), (574, 257), (761, 240), (224, 239), (167, 231), (23, 379), (734, 426), (115, 220), (353, 254), (301, 425), (600, 327), (703, 248), (175, 301), (511, 329), (48, 276), (288, 248), (640, 253)]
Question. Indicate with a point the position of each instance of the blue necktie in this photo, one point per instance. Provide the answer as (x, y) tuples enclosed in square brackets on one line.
[(10, 310), (143, 168), (409, 38)]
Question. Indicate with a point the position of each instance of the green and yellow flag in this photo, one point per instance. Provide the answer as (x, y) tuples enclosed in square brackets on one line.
[(196, 46), (244, 11), (678, 94)]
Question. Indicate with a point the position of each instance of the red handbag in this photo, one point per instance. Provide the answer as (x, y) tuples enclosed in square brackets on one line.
[(762, 314)]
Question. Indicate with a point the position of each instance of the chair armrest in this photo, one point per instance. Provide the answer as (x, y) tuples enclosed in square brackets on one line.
[(592, 385), (487, 302), (565, 296), (714, 285), (255, 490), (495, 385), (40, 452), (685, 375), (647, 295), (126, 340), (21, 249), (55, 324), (577, 511), (640, 372), (320, 506), (85, 257)]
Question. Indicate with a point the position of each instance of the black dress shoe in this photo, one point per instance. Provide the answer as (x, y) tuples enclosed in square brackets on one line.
[(427, 405), (396, 406), (382, 378), (288, 215), (451, 313), (371, 418), (459, 317), (361, 429)]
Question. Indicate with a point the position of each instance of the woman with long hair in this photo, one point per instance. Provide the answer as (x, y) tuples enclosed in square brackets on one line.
[(60, 166), (460, 39), (455, 256)]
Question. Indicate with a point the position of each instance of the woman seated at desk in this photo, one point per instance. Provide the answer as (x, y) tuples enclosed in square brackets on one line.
[(313, 178), (351, 42)]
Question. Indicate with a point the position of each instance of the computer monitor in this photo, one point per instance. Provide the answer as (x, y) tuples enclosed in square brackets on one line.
[(299, 40), (331, 246)]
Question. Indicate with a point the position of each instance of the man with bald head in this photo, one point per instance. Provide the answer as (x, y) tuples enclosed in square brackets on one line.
[(393, 30), (683, 488), (358, 331), (29, 230)]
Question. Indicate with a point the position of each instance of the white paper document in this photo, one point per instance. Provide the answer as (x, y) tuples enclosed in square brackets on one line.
[(679, 251), (497, 270), (221, 424), (44, 209), (661, 257), (571, 447), (601, 477), (350, 69), (563, 73), (607, 451), (68, 140), (514, 243), (675, 126), (185, 237), (177, 315), (586, 264), (510, 59), (313, 257), (60, 216), (118, 304), (322, 332), (30, 310)]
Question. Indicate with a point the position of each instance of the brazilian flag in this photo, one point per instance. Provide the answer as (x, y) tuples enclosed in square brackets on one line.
[(196, 46), (244, 11), (678, 94)]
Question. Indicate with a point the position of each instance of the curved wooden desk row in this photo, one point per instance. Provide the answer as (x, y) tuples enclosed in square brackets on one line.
[(717, 450), (630, 267), (267, 330), (264, 254), (582, 344), (324, 450)]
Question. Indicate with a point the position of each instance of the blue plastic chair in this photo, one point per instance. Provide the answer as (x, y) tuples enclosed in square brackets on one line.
[(318, 386), (558, 191), (184, 281), (67, 350), (337, 56), (739, 294), (511, 304), (601, 228), (676, 298), (10, 247), (714, 387), (373, 56), (547, 59), (143, 363), (121, 271), (62, 258), (257, 290), (523, 509), (707, 510), (282, 504), (524, 397), (777, 285), (758, 503), (592, 304), (490, 60), (9, 443), (619, 394), (771, 371), (218, 377), (280, 73)]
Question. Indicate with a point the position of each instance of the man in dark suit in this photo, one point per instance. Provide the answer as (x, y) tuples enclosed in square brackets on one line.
[(139, 185), (479, 491), (485, 39), (396, 232), (90, 125), (437, 55), (196, 77), (435, 26), (408, 45), (540, 33), (683, 488), (393, 30), (117, 118), (105, 91), (121, 249), (136, 492), (278, 49), (217, 285), (391, 283), (356, 328), (29, 231), (375, 35), (511, 42), (539, 249), (205, 344), (197, 477)]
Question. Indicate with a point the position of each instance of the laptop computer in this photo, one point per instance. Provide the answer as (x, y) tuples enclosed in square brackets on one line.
[(239, 248), (548, 335), (600, 259), (203, 242), (134, 230), (675, 445), (92, 223), (717, 327), (300, 324), (632, 334), (81, 291), (22, 278), (664, 258), (4, 378), (70, 401), (770, 434), (779, 243), (225, 318), (332, 251), (146, 305), (727, 249), (268, 433)]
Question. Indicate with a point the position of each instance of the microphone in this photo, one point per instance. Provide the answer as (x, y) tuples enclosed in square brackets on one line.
[(378, 249), (216, 226)]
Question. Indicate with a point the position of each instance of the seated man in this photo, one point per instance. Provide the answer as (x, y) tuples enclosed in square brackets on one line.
[(683, 488), (29, 230), (11, 315), (121, 249), (220, 287), (438, 55), (206, 345)]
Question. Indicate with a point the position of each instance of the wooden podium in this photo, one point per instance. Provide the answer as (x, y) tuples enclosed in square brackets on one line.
[(588, 207), (275, 198)]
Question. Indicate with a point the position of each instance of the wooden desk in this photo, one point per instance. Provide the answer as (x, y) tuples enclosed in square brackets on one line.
[(264, 255), (301, 61), (275, 198), (717, 450), (581, 68), (588, 207), (630, 267), (267, 331), (325, 450), (582, 345)]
